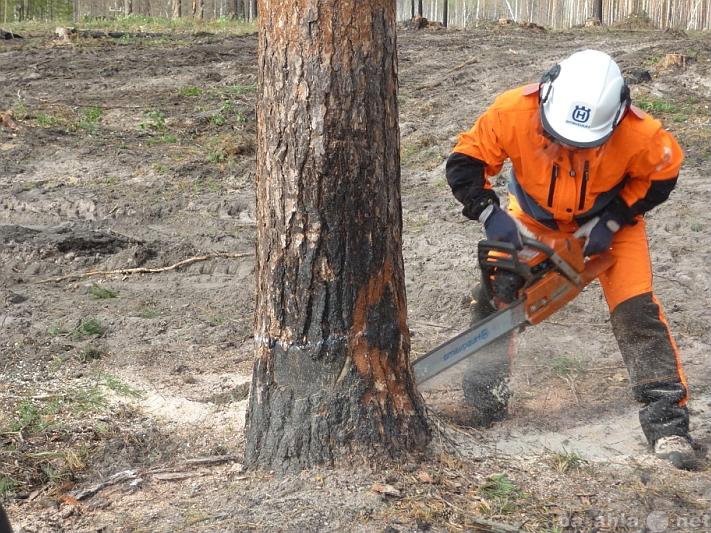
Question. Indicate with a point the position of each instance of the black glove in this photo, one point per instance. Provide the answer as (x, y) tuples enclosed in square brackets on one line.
[(500, 226), (599, 231)]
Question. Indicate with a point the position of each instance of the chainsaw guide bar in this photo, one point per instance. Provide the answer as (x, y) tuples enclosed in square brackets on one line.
[(550, 273)]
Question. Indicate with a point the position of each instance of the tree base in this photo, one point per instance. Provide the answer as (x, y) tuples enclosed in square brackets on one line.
[(286, 434)]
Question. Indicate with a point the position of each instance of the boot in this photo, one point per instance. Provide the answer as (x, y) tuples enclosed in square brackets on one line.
[(678, 451), (666, 423)]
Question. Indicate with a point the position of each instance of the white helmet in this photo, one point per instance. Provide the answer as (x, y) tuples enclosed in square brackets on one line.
[(583, 99)]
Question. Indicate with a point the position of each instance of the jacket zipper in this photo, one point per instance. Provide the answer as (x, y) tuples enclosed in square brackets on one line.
[(584, 184), (551, 189)]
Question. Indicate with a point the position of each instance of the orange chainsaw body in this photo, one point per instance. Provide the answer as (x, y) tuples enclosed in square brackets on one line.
[(554, 271)]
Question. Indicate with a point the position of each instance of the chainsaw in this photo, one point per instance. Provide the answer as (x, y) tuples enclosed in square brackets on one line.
[(526, 286)]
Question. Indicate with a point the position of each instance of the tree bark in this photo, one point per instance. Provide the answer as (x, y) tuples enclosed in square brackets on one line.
[(199, 9), (597, 10), (419, 7), (254, 13), (177, 9), (128, 7), (332, 373), (445, 13)]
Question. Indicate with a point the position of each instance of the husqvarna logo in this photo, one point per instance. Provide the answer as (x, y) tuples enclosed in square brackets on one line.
[(580, 115), (479, 337)]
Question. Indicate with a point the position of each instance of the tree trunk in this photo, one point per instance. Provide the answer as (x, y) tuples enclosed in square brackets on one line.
[(199, 9), (177, 9), (255, 9), (331, 375), (127, 7), (419, 7), (597, 10), (445, 12)]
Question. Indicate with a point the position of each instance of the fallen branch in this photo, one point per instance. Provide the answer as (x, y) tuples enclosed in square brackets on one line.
[(126, 475), (134, 477), (210, 461), (67, 34), (143, 270)]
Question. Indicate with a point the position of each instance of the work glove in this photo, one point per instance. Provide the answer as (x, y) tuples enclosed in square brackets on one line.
[(599, 231), (500, 226)]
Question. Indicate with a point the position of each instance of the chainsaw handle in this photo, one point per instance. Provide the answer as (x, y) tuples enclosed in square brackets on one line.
[(562, 265), (537, 245)]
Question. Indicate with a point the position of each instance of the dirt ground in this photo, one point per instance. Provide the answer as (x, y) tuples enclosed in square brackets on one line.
[(122, 397)]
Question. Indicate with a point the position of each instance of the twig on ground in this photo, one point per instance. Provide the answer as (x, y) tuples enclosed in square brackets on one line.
[(440, 426), (433, 324), (210, 461), (119, 477), (571, 383), (159, 473), (143, 270), (568, 325)]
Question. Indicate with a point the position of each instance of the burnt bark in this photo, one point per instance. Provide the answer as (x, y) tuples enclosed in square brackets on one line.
[(332, 374)]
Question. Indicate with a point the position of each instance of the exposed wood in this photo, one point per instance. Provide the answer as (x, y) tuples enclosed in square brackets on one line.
[(6, 121), (673, 61), (332, 374)]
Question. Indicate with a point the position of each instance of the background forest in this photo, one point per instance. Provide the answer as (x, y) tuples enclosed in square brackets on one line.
[(557, 14)]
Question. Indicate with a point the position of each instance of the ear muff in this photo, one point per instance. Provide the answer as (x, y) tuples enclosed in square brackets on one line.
[(625, 103), (546, 84)]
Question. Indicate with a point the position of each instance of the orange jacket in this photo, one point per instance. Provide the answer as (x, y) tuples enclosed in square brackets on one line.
[(639, 163)]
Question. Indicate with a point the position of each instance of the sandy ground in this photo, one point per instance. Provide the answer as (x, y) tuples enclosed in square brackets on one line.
[(140, 153)]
